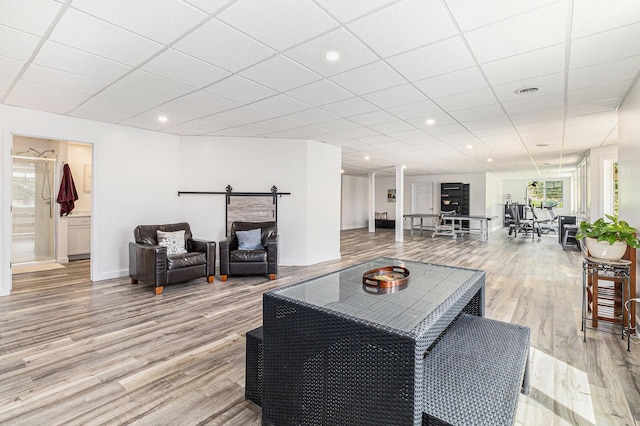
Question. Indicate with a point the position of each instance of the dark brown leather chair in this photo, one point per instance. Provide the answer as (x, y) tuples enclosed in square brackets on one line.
[(149, 262), (250, 262)]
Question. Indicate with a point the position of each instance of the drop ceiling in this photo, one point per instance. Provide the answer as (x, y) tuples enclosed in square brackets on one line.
[(258, 68)]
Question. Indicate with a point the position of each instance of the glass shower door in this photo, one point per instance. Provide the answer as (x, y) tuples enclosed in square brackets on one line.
[(32, 210)]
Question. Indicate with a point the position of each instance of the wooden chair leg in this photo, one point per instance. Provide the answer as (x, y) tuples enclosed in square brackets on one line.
[(134, 281), (272, 277), (223, 277), (158, 290), (210, 278)]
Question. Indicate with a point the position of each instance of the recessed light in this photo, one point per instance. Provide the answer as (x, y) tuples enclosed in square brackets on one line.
[(547, 164), (542, 144), (404, 167), (489, 160), (366, 157), (469, 146), (341, 170), (332, 56), (431, 122), (163, 118), (528, 90)]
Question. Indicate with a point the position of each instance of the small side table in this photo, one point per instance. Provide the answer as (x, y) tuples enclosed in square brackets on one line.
[(606, 303)]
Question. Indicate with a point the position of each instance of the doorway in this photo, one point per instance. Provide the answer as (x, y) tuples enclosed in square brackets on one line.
[(32, 208)]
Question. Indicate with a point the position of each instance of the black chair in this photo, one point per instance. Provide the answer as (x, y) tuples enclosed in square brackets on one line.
[(262, 260), (519, 225), (150, 263)]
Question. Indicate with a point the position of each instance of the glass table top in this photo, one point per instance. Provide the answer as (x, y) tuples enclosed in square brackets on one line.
[(343, 292)]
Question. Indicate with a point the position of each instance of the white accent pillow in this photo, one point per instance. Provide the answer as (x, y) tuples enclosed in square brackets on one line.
[(250, 240), (173, 241)]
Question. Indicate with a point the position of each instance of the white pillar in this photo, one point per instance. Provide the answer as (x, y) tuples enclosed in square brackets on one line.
[(399, 203), (372, 202)]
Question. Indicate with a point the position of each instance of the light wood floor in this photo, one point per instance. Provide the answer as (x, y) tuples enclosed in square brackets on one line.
[(108, 352)]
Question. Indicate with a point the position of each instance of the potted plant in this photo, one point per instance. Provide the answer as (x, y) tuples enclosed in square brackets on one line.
[(608, 239)]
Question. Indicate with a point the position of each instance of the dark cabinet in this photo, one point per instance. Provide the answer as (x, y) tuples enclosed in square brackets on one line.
[(455, 197)]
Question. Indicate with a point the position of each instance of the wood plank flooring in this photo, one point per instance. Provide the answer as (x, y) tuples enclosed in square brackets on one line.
[(81, 353)]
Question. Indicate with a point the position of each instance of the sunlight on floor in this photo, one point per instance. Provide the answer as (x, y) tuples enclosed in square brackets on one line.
[(549, 403)]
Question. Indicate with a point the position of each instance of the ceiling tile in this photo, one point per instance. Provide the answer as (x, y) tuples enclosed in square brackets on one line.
[(248, 114), (232, 51), (537, 103), (232, 133), (497, 40), (155, 85), (279, 24), (599, 93), (339, 125), (429, 61), (164, 20), (208, 102), (280, 74), (222, 121), (452, 83), (107, 40), (358, 132), (592, 16), (395, 96), (549, 116), (40, 96), (313, 53), (240, 89), (10, 67), (17, 44), (313, 116), (421, 110), (466, 100), (280, 105), (350, 107), (369, 78), (319, 93), (478, 13), (393, 127), (479, 113), (182, 68), (83, 112), (605, 47), (593, 108), (403, 26), (62, 79), (609, 72), (183, 110), (282, 123), (33, 17), (307, 131), (55, 55), (375, 117), (210, 6), (347, 10), (123, 102), (545, 61)]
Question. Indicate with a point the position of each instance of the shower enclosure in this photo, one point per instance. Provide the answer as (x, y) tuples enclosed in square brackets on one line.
[(32, 207)]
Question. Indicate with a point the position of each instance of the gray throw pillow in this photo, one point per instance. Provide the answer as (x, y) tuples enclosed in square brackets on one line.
[(250, 240)]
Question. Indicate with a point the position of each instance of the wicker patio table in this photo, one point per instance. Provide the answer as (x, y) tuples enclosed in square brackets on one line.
[(336, 353)]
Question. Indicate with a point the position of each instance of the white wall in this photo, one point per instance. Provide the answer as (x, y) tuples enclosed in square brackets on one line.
[(135, 180), (355, 199), (597, 178), (78, 156), (308, 219), (477, 189), (629, 159)]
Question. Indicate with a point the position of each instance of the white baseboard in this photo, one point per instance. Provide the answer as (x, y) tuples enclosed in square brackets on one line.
[(111, 275)]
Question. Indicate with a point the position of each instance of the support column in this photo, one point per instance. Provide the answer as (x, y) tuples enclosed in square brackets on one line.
[(399, 203), (372, 202)]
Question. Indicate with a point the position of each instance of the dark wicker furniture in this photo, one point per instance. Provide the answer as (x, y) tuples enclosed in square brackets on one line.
[(334, 354)]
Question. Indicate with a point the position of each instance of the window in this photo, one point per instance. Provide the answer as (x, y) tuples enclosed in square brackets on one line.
[(548, 193)]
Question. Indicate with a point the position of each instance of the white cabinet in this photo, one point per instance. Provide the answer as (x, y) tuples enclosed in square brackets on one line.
[(79, 236)]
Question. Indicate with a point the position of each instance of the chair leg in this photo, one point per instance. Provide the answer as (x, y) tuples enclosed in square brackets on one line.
[(223, 277), (272, 277), (210, 278), (158, 290), (134, 281)]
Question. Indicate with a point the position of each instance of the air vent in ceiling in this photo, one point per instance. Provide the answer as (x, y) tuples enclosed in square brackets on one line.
[(528, 90)]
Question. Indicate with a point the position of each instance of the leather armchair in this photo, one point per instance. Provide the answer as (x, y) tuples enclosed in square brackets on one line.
[(250, 262), (149, 262)]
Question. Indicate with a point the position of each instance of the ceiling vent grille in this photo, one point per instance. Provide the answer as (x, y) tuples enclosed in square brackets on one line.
[(528, 90)]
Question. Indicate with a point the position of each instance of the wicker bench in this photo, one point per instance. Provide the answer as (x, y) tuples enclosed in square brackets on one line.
[(254, 365), (474, 374)]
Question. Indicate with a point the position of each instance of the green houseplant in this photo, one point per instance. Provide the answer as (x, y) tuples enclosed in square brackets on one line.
[(608, 237)]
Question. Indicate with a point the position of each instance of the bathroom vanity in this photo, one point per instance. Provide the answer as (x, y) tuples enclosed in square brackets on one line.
[(79, 236)]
